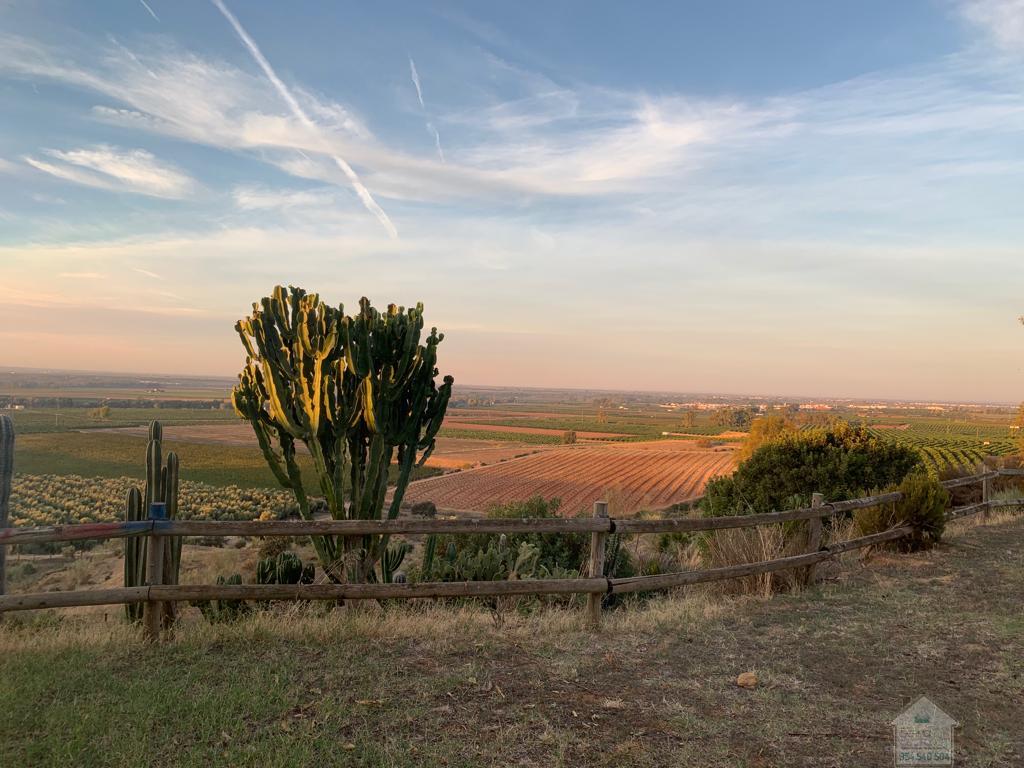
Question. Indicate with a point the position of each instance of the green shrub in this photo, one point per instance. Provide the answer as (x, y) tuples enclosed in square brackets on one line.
[(841, 461), (923, 507)]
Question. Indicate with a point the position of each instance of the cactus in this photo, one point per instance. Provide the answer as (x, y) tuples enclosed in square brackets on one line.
[(6, 480), (429, 552), (134, 553), (161, 486), (392, 559), (358, 392), (286, 568)]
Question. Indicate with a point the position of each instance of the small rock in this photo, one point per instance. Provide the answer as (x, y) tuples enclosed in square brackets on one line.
[(747, 680)]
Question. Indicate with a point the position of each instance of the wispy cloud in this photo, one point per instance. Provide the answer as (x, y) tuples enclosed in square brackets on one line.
[(1001, 20), (419, 95), (250, 198), (106, 167), (147, 273), (303, 118), (151, 12)]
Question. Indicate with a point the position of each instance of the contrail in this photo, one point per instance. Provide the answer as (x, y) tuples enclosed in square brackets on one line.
[(302, 117), (151, 12), (423, 106)]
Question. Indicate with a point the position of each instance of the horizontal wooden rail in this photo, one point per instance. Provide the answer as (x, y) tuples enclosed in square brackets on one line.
[(677, 524), (969, 509), (1006, 503), (956, 482), (11, 536), (189, 592), (667, 580)]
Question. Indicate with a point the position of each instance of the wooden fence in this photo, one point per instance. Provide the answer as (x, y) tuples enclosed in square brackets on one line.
[(595, 585)]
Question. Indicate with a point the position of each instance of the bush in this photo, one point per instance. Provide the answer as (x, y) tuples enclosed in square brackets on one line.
[(272, 546), (923, 507), (840, 461), (424, 509)]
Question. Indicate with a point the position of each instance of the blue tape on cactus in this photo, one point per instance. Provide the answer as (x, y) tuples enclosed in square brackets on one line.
[(158, 511)]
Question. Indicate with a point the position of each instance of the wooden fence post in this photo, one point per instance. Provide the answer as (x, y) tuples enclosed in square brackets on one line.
[(986, 496), (597, 542), (152, 614), (6, 480), (813, 536)]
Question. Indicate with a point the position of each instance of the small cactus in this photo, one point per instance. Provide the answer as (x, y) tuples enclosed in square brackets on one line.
[(134, 553), (286, 568), (161, 486)]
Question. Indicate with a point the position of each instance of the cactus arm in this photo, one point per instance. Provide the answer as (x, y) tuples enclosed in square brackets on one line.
[(269, 455), (406, 461), (134, 553), (172, 552)]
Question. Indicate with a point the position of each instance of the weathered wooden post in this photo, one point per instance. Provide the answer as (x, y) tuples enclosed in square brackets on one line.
[(813, 536), (597, 542), (6, 480), (986, 496), (152, 615)]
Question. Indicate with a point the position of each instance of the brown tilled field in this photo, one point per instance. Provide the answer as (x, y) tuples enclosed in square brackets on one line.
[(653, 476)]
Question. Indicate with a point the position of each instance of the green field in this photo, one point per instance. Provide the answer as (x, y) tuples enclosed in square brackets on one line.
[(100, 454), (31, 421), (948, 443)]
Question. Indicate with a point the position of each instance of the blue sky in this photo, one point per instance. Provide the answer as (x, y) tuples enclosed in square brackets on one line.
[(795, 197)]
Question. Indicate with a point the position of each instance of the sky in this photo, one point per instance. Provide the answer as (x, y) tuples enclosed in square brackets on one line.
[(798, 197)]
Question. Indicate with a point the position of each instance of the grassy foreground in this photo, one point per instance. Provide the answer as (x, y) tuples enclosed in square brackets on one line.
[(425, 686)]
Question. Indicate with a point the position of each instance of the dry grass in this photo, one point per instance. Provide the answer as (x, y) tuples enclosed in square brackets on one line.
[(739, 546)]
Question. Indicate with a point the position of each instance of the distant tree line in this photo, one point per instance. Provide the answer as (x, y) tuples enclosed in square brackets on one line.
[(99, 402)]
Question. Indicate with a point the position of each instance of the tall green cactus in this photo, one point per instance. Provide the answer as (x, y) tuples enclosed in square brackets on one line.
[(161, 486), (357, 391), (6, 481)]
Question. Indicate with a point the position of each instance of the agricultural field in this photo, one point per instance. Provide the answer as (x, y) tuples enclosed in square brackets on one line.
[(36, 420), (451, 453), (951, 443), (113, 455), (68, 499), (634, 477)]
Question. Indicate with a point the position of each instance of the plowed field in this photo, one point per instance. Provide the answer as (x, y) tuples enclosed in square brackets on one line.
[(635, 478)]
